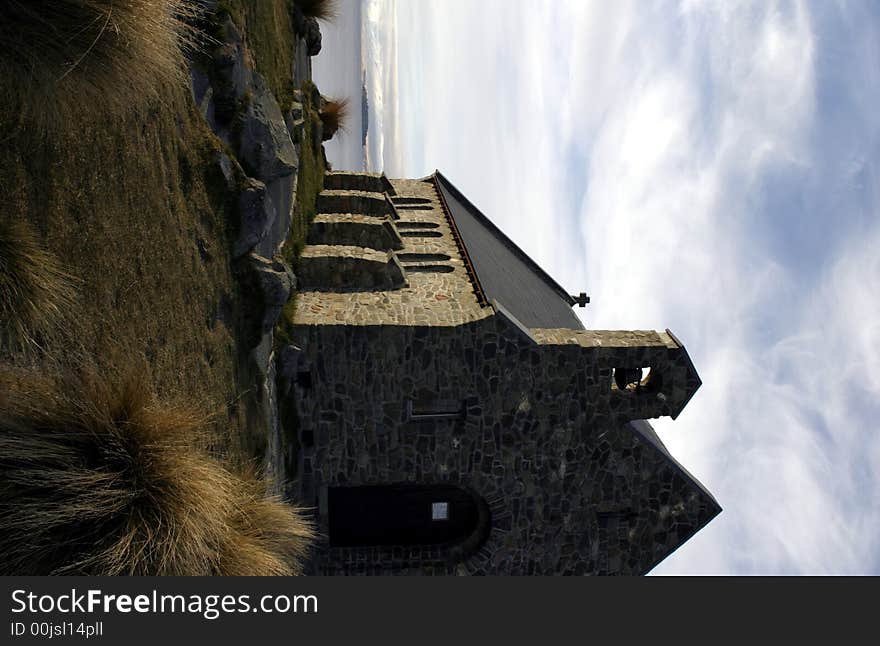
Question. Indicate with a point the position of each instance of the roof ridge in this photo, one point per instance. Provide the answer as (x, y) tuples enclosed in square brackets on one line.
[(504, 239)]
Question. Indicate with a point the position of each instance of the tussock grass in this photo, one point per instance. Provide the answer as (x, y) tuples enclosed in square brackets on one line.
[(98, 478), (334, 117), (326, 10), (35, 292), (64, 57), (272, 537)]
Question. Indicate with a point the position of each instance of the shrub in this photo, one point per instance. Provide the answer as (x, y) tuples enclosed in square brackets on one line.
[(320, 9), (98, 478), (334, 116), (64, 55), (34, 290)]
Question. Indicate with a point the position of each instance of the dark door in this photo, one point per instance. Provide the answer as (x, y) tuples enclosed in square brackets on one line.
[(400, 514)]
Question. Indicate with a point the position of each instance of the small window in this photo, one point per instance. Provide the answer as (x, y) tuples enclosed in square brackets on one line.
[(440, 511), (425, 409), (430, 269), (421, 234), (423, 257), (409, 224), (410, 200)]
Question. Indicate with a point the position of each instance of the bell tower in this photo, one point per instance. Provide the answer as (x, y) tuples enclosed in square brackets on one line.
[(641, 374)]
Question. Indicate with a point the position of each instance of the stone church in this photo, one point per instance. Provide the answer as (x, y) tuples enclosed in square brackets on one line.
[(455, 417)]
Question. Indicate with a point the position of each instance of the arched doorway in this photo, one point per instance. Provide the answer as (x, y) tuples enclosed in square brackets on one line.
[(401, 514)]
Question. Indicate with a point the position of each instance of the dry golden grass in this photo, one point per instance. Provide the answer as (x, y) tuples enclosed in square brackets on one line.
[(74, 57), (272, 537), (321, 9), (98, 478), (35, 292), (334, 117), (140, 213)]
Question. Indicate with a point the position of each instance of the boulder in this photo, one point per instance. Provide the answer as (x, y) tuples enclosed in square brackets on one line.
[(202, 92), (230, 169), (276, 281), (312, 35), (267, 152), (257, 215), (282, 192), (266, 149), (233, 71)]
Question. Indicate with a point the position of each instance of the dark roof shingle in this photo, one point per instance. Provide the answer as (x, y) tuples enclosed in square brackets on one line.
[(504, 271)]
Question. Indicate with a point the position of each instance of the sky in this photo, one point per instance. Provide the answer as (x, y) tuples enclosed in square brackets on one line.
[(339, 73), (708, 167)]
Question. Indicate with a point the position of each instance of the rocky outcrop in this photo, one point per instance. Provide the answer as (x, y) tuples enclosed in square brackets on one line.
[(271, 283), (262, 169), (275, 282), (266, 149), (232, 75), (257, 215), (312, 32), (245, 115)]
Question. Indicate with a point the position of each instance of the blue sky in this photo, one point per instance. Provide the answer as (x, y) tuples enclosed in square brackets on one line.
[(710, 167)]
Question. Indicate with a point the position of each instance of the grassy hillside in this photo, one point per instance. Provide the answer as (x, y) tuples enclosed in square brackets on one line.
[(135, 207), (121, 222), (270, 39)]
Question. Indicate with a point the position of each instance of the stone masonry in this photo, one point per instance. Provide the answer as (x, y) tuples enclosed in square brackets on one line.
[(420, 380)]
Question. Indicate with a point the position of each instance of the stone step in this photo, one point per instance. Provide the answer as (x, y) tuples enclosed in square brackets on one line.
[(358, 202), (348, 268), (357, 181), (355, 230)]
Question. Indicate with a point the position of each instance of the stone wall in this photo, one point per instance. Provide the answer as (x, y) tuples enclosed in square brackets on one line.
[(533, 422), (356, 230), (429, 298), (571, 488)]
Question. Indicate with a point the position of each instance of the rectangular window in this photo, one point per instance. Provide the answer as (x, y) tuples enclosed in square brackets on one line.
[(434, 409), (440, 511)]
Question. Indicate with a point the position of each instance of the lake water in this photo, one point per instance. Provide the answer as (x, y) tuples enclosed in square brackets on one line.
[(338, 73)]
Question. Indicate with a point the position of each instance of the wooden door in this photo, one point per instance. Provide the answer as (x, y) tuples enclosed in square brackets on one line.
[(400, 514)]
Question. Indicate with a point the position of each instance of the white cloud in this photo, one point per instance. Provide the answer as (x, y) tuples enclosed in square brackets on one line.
[(708, 167)]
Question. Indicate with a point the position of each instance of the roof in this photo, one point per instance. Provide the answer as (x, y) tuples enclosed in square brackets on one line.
[(503, 271), (643, 429)]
